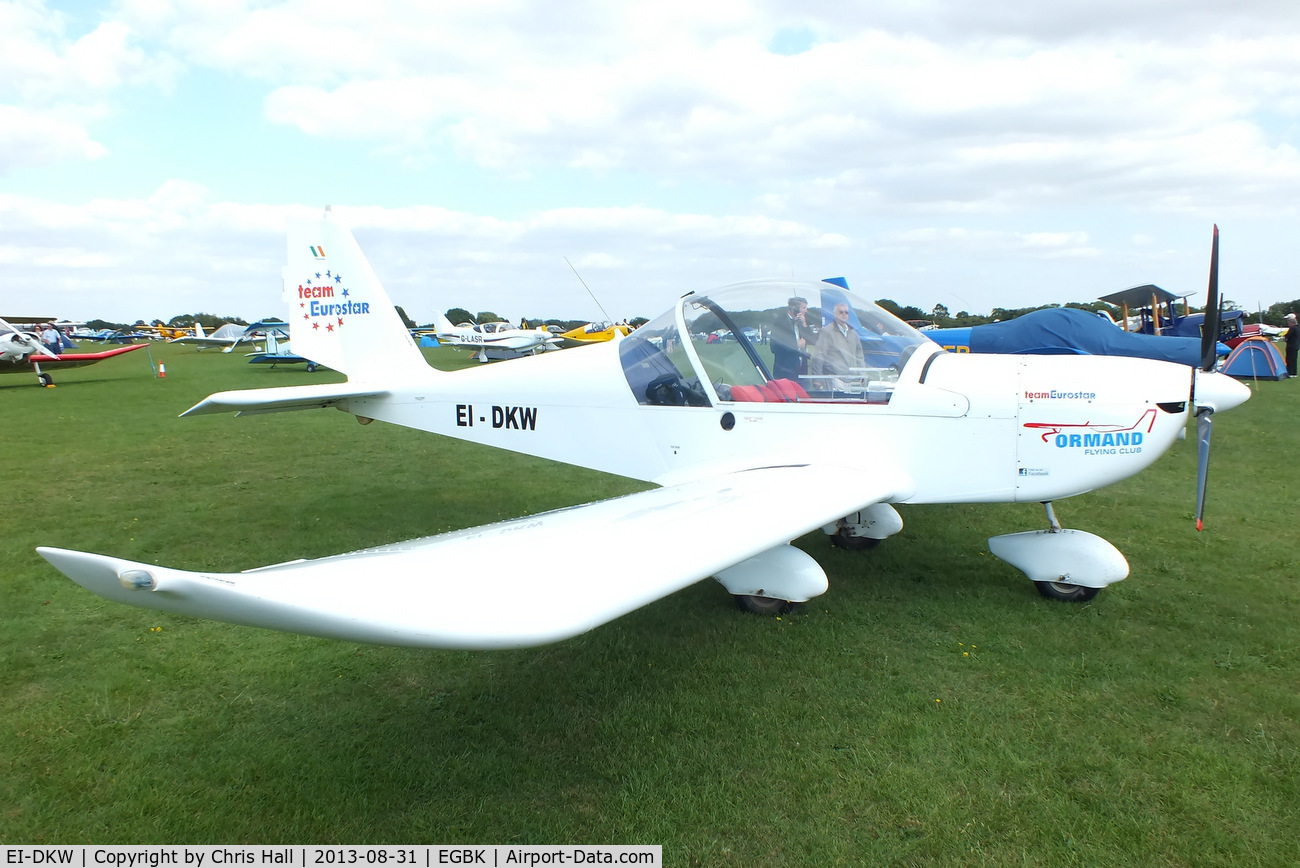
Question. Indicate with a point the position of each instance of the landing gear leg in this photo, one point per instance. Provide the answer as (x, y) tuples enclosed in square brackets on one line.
[(1053, 525), (1060, 590)]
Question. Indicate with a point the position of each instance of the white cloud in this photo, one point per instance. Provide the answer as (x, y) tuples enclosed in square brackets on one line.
[(665, 145), (178, 251), (54, 87), (907, 118), (33, 138)]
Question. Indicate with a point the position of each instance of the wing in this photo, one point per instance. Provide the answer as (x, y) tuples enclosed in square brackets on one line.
[(204, 341), (80, 360), (440, 591), (249, 402)]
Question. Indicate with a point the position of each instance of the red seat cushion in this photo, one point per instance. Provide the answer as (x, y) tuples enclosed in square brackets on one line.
[(790, 390), (748, 393)]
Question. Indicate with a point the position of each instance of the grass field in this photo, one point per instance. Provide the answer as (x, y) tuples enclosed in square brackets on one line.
[(930, 709)]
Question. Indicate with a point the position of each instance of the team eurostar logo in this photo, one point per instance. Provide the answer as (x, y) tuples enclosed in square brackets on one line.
[(1059, 395), (323, 299)]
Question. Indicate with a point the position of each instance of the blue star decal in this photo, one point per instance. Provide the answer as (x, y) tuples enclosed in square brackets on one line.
[(337, 278), (345, 293), (318, 275)]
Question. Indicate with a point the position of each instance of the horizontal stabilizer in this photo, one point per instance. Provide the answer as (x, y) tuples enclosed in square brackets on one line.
[(249, 402), (440, 591)]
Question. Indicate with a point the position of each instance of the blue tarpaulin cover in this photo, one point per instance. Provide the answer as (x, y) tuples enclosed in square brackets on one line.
[(1066, 330)]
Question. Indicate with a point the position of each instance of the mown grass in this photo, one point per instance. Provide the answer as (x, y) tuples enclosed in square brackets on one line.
[(929, 709)]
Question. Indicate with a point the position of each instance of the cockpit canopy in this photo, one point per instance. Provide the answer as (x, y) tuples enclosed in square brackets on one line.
[(769, 341)]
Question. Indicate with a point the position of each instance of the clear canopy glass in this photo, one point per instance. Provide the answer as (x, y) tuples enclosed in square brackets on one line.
[(769, 342)]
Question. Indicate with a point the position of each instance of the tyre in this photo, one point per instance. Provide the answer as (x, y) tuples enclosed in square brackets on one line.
[(765, 605), (1066, 593), (842, 540)]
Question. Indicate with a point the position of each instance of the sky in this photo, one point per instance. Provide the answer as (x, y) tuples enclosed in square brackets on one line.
[(975, 155)]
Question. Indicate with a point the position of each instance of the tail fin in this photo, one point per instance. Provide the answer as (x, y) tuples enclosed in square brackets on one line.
[(339, 314), (442, 324), (198, 330)]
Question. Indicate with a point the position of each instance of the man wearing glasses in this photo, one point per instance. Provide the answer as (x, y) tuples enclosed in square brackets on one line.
[(837, 356)]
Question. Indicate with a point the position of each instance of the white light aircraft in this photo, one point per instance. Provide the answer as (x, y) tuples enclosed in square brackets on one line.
[(20, 347), (746, 461), (227, 336), (501, 338), (22, 351)]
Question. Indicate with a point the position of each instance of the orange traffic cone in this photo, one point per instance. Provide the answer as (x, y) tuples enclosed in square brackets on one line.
[(162, 371)]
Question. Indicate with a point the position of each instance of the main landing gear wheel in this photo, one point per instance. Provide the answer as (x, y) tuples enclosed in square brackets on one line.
[(1066, 593), (765, 605), (46, 380), (842, 540)]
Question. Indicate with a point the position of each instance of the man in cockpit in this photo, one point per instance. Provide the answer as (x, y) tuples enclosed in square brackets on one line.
[(837, 355), (791, 335)]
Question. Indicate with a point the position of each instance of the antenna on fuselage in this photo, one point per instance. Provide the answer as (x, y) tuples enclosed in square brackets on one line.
[(588, 288)]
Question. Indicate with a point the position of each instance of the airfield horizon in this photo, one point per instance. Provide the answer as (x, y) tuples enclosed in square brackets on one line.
[(929, 709)]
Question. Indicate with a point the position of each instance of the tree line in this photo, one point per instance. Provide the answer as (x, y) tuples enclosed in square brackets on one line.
[(1274, 314)]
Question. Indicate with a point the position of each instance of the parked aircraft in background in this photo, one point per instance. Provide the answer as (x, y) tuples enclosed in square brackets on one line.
[(593, 333), (500, 339), (226, 337), (161, 332), (1150, 310), (22, 352), (746, 462), (111, 336), (276, 349), (17, 345)]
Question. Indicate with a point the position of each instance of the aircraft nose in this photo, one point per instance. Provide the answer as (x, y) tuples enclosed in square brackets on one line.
[(1219, 391)]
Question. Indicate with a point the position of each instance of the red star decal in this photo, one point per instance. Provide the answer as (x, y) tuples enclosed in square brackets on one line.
[(315, 325), (329, 328), (302, 304), (304, 316), (340, 320)]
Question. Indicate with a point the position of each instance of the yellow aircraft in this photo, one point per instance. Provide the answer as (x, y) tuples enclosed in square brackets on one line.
[(165, 332), (595, 333)]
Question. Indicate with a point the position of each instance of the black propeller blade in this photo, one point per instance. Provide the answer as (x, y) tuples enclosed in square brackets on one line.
[(1209, 346), (1210, 328), (1204, 420)]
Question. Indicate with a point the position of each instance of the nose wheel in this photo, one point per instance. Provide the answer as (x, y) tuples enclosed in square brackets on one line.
[(1066, 593), (1064, 564), (765, 605)]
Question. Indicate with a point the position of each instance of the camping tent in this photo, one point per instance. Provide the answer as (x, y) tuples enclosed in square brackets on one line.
[(1255, 359)]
